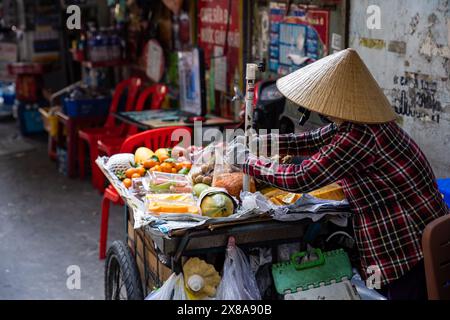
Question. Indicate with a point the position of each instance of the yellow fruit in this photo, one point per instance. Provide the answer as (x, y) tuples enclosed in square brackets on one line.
[(142, 154), (162, 154)]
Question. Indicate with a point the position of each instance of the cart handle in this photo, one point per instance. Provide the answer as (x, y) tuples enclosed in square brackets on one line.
[(296, 257)]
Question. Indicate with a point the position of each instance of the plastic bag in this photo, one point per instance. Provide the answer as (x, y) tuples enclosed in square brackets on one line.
[(203, 165), (238, 281), (172, 289), (228, 176), (169, 204), (365, 292), (161, 182)]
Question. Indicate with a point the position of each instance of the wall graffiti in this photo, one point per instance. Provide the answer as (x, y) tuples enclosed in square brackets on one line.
[(413, 96)]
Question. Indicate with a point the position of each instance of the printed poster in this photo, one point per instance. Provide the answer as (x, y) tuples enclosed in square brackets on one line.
[(298, 39)]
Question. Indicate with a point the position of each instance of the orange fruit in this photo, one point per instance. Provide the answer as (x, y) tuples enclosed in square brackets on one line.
[(127, 183), (141, 171), (166, 167), (157, 168), (186, 164), (178, 166), (150, 163), (174, 170), (135, 176), (129, 173)]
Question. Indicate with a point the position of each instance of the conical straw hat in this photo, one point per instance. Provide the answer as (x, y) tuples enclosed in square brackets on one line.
[(339, 86)]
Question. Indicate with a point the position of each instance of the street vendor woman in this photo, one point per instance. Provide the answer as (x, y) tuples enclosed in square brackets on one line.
[(386, 178)]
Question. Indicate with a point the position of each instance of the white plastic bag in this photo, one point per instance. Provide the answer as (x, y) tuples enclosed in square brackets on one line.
[(238, 280), (179, 291), (172, 289)]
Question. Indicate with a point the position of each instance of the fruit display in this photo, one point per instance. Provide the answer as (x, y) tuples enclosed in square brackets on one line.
[(216, 204), (159, 182), (190, 181), (127, 166), (158, 204)]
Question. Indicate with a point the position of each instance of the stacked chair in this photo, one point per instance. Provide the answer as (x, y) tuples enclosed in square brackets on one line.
[(90, 136)]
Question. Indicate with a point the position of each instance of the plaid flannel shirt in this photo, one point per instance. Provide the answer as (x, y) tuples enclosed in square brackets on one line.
[(386, 178)]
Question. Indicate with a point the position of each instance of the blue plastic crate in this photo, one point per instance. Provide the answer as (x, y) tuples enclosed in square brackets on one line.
[(86, 107), (30, 120)]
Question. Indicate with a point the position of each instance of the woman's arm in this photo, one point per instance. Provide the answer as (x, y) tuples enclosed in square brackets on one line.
[(348, 152), (302, 144)]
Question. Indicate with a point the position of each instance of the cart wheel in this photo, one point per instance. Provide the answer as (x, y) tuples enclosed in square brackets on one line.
[(122, 280)]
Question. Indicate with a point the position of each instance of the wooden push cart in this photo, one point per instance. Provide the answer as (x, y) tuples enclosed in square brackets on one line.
[(147, 257)]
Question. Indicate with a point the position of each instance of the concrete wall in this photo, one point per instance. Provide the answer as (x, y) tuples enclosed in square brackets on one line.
[(409, 57)]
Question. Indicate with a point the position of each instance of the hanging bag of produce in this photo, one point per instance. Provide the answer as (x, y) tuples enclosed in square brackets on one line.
[(238, 280)]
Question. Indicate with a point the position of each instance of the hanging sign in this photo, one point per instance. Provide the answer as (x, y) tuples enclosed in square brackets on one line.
[(219, 35)]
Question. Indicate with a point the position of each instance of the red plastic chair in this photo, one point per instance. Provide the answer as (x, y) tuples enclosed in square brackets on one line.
[(92, 135), (152, 139), (111, 145)]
